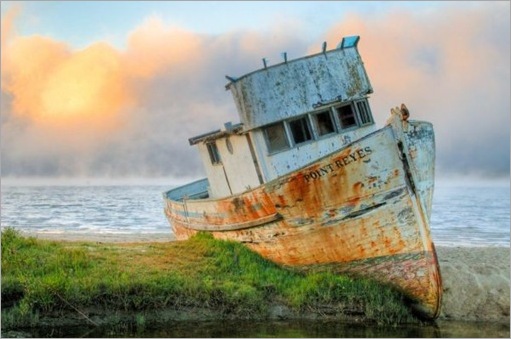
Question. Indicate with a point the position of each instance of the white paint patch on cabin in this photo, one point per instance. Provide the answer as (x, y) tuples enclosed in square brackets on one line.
[(234, 172)]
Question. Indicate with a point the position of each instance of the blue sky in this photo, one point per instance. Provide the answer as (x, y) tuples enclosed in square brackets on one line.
[(81, 23), (154, 72)]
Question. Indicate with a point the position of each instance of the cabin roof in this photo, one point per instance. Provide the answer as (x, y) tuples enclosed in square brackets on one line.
[(346, 42), (229, 129)]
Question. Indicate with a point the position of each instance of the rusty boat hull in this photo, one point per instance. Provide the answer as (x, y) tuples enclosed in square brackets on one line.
[(363, 210)]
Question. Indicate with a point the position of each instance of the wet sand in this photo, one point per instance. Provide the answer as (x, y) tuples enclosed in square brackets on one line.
[(476, 283), (475, 279)]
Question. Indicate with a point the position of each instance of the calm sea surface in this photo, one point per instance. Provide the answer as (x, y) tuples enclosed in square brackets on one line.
[(463, 215)]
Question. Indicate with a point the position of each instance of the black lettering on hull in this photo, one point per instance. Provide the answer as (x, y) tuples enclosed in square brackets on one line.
[(343, 162)]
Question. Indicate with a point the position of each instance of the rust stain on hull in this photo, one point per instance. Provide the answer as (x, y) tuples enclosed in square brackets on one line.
[(353, 212)]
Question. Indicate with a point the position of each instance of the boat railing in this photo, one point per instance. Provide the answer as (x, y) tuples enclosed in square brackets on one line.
[(194, 190)]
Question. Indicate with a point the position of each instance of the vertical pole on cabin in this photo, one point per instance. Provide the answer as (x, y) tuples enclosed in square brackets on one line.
[(227, 179)]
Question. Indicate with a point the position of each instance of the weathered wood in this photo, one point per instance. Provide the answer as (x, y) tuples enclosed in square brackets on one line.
[(362, 209)]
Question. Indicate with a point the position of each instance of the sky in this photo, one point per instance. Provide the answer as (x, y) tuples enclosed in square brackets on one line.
[(113, 89)]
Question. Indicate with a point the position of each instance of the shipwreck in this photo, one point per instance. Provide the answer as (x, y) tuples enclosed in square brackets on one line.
[(308, 180)]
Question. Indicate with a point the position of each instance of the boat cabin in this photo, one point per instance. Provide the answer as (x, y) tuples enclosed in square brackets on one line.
[(291, 114)]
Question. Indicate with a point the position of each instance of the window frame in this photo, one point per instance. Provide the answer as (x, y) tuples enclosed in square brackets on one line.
[(367, 112), (317, 129), (354, 115), (269, 147), (313, 127), (214, 153)]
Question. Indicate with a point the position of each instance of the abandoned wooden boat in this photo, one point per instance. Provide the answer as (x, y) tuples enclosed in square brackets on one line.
[(308, 181)]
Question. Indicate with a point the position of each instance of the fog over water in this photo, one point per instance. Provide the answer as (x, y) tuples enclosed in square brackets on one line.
[(134, 109)]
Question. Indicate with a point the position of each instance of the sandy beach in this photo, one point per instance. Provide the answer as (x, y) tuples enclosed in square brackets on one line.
[(476, 283), (475, 279)]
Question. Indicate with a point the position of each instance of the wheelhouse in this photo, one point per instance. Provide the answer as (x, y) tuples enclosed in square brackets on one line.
[(291, 114)]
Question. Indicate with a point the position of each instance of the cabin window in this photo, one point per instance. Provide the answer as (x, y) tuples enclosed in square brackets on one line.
[(214, 156), (276, 137), (300, 130), (346, 116), (325, 123), (364, 113)]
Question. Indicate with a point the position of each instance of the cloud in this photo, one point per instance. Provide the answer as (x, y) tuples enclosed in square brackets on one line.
[(8, 21), (450, 67), (63, 104), (101, 111), (154, 48)]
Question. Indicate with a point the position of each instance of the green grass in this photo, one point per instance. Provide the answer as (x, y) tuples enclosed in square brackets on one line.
[(41, 277)]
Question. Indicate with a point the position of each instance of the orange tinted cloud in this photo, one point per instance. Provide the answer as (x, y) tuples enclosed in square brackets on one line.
[(51, 83), (417, 56), (154, 48), (389, 47), (103, 110), (7, 23), (88, 83), (450, 67), (26, 65), (72, 108)]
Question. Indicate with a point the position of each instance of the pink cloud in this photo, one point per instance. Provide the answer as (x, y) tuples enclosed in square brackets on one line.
[(450, 67)]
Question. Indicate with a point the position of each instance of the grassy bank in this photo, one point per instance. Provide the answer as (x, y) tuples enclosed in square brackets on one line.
[(93, 283)]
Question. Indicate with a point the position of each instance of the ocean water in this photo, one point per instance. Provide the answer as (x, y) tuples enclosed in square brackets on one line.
[(463, 214)]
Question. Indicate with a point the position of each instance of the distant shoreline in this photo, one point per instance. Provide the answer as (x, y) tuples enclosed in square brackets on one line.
[(475, 279)]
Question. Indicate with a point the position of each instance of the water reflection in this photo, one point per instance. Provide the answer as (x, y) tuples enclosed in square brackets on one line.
[(283, 329)]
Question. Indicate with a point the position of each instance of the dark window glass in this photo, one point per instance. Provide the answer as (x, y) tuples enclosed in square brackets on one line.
[(276, 137), (325, 123), (300, 130), (213, 153), (347, 116)]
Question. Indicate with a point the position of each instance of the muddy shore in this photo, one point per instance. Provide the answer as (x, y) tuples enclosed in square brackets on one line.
[(475, 279)]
